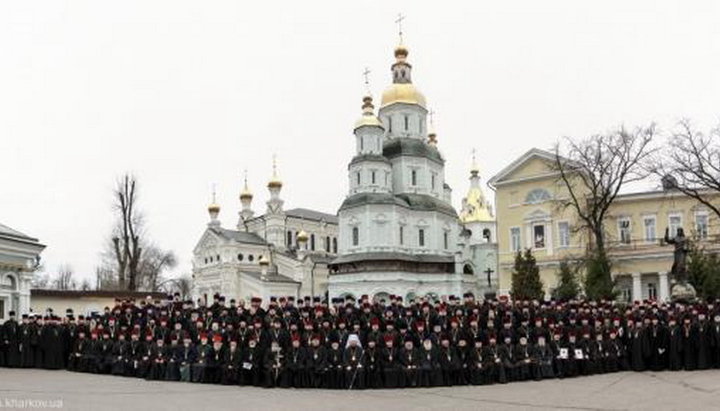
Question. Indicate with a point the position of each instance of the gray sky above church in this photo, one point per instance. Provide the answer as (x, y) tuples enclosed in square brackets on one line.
[(188, 94)]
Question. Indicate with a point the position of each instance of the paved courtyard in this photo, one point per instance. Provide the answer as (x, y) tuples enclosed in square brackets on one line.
[(625, 391)]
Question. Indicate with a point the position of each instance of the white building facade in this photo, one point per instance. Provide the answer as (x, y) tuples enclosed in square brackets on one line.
[(19, 258), (279, 253)]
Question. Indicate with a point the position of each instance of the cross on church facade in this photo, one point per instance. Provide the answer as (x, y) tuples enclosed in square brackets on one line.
[(489, 272)]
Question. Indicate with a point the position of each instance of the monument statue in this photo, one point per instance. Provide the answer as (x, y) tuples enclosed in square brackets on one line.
[(681, 289)]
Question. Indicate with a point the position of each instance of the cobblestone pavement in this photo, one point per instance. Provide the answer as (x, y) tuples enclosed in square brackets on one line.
[(33, 389)]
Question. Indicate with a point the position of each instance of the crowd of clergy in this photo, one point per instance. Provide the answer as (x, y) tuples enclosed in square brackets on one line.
[(349, 344)]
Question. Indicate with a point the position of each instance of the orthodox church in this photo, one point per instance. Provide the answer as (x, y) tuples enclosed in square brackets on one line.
[(396, 232), (279, 253)]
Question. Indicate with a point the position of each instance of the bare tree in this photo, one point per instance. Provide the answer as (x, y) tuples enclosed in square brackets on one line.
[(153, 264), (690, 163), (181, 285), (127, 236), (65, 278), (593, 171)]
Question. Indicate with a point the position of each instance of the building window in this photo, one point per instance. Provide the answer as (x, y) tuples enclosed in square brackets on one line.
[(296, 240), (334, 245), (537, 196), (624, 230), (701, 225), (487, 235), (515, 239), (362, 143), (445, 240), (402, 235), (312, 242), (327, 244), (413, 177), (407, 122), (357, 178), (674, 222), (373, 176), (421, 237), (649, 223), (389, 122), (251, 258), (432, 182), (539, 236), (240, 257), (289, 239), (652, 291), (355, 236), (564, 234), (626, 294), (206, 260), (211, 259)]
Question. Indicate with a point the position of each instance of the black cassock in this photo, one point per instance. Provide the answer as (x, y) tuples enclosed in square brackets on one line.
[(703, 346), (335, 375), (391, 367), (51, 343), (276, 369), (297, 367), (430, 372), (251, 373), (231, 365), (373, 368), (11, 343), (638, 345), (316, 365), (658, 342), (410, 362), (543, 358)]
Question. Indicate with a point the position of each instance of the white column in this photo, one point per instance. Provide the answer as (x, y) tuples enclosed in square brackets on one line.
[(637, 287), (664, 286)]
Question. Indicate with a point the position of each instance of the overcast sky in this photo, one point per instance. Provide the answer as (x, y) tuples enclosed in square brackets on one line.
[(187, 94)]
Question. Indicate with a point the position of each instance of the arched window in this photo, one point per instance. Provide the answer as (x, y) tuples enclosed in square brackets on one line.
[(327, 244), (334, 245), (312, 242), (421, 237), (407, 122), (241, 257), (251, 258), (537, 195), (413, 177), (296, 241), (467, 269), (445, 239), (289, 238), (355, 236)]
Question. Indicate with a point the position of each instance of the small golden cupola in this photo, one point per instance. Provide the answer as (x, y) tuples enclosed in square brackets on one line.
[(275, 182), (475, 207), (368, 117)]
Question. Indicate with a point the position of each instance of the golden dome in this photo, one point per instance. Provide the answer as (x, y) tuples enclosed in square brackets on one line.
[(275, 181), (214, 208), (368, 117), (401, 52), (402, 93), (302, 236), (476, 208), (246, 194)]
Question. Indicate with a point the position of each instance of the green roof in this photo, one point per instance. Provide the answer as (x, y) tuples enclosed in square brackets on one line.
[(413, 147), (417, 202)]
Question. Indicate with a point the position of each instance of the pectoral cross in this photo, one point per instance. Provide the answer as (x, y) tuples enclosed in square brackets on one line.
[(399, 23)]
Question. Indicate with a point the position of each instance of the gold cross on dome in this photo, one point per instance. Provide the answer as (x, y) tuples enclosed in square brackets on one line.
[(431, 113)]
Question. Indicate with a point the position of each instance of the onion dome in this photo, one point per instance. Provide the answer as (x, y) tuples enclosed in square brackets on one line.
[(302, 236), (368, 117), (263, 261)]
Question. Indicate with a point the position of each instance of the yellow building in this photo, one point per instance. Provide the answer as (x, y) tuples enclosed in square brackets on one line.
[(528, 216)]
